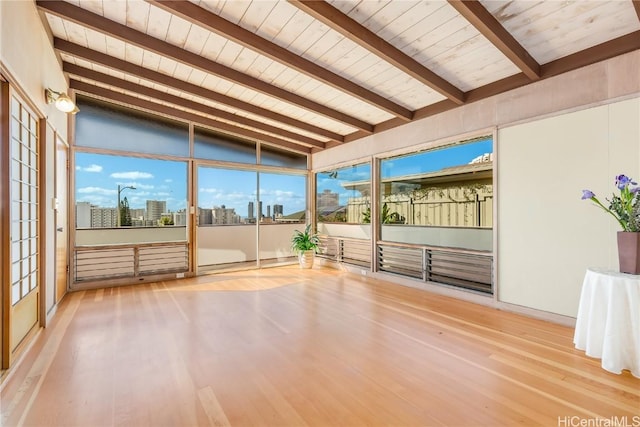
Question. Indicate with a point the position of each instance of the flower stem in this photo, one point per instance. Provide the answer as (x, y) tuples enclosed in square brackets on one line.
[(595, 200)]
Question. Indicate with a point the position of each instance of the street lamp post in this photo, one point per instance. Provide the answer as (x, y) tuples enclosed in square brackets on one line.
[(120, 190)]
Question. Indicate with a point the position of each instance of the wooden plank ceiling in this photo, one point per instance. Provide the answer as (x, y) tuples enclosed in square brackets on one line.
[(308, 75)]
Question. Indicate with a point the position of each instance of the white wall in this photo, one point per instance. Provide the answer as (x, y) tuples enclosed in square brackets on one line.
[(26, 53), (555, 137), (548, 236)]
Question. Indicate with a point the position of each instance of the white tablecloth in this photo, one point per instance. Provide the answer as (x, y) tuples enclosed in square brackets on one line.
[(608, 323)]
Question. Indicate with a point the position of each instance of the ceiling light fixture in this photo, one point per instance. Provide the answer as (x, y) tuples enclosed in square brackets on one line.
[(62, 101)]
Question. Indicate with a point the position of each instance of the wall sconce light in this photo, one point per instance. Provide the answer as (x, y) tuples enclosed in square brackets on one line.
[(62, 101)]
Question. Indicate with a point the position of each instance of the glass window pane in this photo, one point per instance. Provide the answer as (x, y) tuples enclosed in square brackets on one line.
[(103, 125), (16, 168), (273, 156), (15, 189), (15, 209), (283, 210), (226, 218), (15, 148), (15, 293), (25, 229), (23, 193), (15, 107), (448, 187), (226, 196), (25, 173), (152, 195), (16, 249), (15, 127), (212, 146), (15, 230), (344, 195), (15, 269), (283, 198)]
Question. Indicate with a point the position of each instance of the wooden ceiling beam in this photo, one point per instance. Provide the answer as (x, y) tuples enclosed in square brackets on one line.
[(636, 6), (168, 81), (606, 50), (218, 25), (223, 127), (121, 32), (491, 29), (186, 103), (602, 52), (359, 34)]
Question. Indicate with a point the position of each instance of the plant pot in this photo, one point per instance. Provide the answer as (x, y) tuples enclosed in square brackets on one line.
[(629, 252), (305, 258)]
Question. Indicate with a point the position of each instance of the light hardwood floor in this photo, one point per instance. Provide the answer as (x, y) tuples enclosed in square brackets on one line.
[(290, 347)]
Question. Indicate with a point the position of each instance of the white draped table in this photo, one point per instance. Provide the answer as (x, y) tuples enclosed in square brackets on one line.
[(608, 323)]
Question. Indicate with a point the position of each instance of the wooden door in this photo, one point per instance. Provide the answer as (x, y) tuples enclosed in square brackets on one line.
[(24, 223)]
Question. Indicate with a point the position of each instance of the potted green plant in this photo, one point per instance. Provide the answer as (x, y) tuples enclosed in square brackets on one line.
[(305, 244)]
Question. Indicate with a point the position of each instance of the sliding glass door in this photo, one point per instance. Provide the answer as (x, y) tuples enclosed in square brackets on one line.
[(226, 215), (283, 201)]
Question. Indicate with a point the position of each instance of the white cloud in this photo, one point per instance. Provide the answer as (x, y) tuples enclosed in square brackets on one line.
[(237, 196), (131, 175), (168, 180), (284, 194), (162, 194), (137, 194), (137, 185), (91, 168), (209, 190), (97, 190)]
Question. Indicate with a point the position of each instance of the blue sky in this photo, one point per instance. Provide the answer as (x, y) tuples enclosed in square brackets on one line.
[(98, 177)]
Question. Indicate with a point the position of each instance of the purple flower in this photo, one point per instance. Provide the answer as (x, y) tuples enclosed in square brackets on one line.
[(623, 206), (588, 194), (623, 181)]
